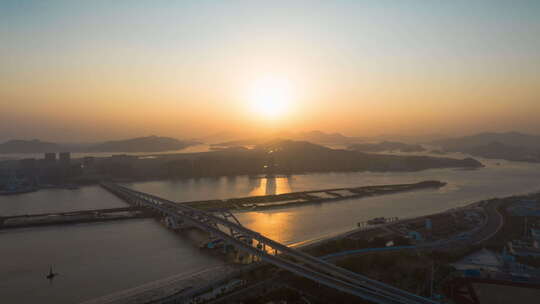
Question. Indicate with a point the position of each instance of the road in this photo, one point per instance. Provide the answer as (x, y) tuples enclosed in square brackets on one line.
[(495, 222)]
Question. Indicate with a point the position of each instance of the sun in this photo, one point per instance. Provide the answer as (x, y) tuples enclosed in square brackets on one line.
[(270, 97)]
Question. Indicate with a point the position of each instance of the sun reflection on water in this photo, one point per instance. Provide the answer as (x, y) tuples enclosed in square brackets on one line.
[(273, 225), (271, 185)]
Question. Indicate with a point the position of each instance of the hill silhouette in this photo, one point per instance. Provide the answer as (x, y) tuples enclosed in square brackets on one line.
[(512, 146), (142, 144), (139, 144), (387, 146), (28, 146)]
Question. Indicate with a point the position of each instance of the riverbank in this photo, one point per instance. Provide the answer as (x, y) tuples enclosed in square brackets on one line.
[(74, 217), (286, 225), (346, 243)]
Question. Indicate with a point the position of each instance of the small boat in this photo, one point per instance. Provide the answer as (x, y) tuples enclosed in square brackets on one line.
[(51, 274)]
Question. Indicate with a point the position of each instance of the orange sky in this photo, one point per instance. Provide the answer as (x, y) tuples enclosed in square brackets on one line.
[(105, 70)]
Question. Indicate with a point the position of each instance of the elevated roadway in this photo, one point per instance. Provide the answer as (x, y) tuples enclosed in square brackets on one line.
[(228, 229)]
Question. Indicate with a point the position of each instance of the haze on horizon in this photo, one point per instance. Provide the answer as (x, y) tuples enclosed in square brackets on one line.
[(94, 70)]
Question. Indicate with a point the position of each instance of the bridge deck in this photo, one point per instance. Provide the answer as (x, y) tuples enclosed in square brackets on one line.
[(254, 243)]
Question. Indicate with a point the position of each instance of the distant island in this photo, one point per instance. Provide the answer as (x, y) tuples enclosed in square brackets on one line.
[(139, 144), (511, 146), (289, 157), (387, 146)]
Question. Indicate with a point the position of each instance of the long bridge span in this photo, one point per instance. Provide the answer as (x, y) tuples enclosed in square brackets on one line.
[(225, 227)]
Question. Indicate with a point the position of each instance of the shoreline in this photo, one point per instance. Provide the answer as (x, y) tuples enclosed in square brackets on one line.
[(314, 242), (172, 286)]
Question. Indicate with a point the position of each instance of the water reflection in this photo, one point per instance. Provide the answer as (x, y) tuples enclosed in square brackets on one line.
[(270, 185), (93, 253), (96, 252), (275, 225)]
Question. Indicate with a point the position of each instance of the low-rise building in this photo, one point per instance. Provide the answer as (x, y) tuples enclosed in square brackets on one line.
[(50, 157), (484, 259), (64, 157), (524, 248)]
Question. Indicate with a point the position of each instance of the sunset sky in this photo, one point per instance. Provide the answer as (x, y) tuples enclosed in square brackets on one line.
[(93, 70)]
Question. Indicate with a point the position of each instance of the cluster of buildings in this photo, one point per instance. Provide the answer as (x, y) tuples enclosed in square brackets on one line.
[(440, 226), (496, 265), (29, 174), (525, 207), (28, 165), (503, 265), (529, 244)]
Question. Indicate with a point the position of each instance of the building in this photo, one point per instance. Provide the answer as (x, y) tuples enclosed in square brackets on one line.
[(50, 157), (28, 164), (524, 248), (28, 167), (88, 162), (415, 235), (481, 260), (535, 234), (526, 207), (64, 157)]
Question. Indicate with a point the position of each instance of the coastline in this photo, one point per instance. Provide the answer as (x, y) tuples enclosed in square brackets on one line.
[(314, 242)]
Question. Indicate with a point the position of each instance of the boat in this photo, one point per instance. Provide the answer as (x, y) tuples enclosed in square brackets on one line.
[(51, 274)]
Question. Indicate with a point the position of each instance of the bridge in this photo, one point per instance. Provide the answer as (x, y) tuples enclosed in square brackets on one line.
[(224, 226)]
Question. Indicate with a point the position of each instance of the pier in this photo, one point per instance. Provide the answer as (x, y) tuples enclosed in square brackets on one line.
[(234, 204), (307, 197)]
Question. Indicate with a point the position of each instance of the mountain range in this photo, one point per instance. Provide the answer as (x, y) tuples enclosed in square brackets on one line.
[(139, 144), (318, 137), (387, 146), (512, 146), (509, 138)]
